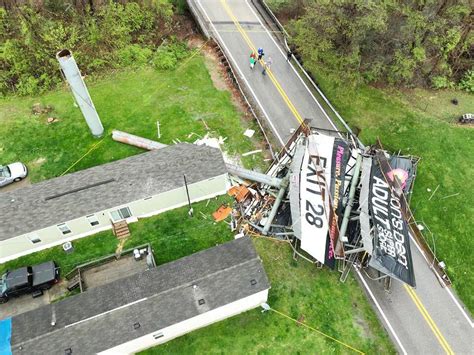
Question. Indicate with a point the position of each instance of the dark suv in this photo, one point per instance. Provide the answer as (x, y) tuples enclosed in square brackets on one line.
[(28, 279)]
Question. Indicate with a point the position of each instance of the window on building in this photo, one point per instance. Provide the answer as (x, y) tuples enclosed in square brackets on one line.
[(92, 220), (122, 213), (34, 239), (64, 228)]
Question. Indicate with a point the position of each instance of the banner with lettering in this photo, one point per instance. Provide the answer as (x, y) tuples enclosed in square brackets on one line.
[(321, 190), (391, 250)]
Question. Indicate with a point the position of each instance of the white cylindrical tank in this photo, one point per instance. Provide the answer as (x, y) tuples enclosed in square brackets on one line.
[(79, 90)]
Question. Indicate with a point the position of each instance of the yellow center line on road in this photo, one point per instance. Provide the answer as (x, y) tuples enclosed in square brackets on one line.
[(295, 112), (275, 82), (429, 320)]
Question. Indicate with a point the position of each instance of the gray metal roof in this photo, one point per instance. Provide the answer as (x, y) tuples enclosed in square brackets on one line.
[(105, 186), (155, 299)]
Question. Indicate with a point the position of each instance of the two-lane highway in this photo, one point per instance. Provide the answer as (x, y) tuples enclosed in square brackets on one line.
[(240, 31), (428, 320)]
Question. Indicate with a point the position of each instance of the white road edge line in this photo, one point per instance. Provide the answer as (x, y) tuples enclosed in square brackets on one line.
[(381, 312), (460, 307), (329, 119), (360, 276), (241, 73), (456, 302), (292, 67)]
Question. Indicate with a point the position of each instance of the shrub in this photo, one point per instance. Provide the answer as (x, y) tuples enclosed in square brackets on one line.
[(134, 55), (467, 82), (167, 56), (441, 82), (113, 34)]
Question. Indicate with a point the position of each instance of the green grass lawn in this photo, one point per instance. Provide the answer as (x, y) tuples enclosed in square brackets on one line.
[(128, 100), (172, 235), (423, 123), (303, 292)]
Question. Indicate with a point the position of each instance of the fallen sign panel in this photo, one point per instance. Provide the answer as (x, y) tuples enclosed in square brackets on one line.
[(391, 250), (321, 189)]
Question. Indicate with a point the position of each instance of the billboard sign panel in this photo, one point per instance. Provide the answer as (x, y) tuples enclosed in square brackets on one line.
[(321, 190), (391, 245)]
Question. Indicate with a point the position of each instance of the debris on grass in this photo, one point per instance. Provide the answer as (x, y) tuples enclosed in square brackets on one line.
[(193, 134), (222, 213), (38, 109), (205, 124), (252, 152), (211, 141), (240, 193), (51, 120), (249, 133), (140, 142)]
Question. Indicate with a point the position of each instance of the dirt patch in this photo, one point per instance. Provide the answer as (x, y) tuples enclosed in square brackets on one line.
[(120, 245), (222, 81), (361, 323), (38, 162), (217, 71)]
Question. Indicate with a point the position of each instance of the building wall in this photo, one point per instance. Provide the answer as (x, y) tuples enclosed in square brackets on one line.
[(189, 325), (80, 227)]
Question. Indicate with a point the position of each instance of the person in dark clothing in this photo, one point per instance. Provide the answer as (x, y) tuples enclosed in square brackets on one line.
[(289, 53), (260, 53)]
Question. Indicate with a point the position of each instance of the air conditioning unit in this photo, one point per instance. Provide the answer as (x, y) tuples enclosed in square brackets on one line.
[(68, 248)]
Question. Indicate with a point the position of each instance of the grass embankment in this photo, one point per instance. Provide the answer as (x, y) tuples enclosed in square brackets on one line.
[(127, 100), (420, 122), (423, 123), (314, 296)]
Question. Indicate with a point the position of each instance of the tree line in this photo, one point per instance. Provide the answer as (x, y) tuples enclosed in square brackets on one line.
[(101, 34), (399, 42)]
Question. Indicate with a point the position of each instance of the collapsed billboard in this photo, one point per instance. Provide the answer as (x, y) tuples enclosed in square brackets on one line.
[(391, 241), (321, 189)]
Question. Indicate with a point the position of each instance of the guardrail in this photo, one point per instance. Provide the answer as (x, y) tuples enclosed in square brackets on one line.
[(230, 72), (303, 70), (431, 258)]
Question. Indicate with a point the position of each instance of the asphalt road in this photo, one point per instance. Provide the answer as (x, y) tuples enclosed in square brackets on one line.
[(425, 320)]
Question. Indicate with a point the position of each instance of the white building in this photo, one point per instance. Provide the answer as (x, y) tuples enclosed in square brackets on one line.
[(146, 309), (89, 201)]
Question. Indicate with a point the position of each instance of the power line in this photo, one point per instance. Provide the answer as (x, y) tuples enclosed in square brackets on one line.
[(317, 331)]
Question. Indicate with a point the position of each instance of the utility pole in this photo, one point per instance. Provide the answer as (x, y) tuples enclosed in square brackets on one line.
[(79, 90)]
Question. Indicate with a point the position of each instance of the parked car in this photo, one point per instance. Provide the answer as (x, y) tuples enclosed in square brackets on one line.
[(12, 172), (28, 279)]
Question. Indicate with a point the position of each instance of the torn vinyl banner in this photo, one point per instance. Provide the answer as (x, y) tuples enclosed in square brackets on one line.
[(391, 244)]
